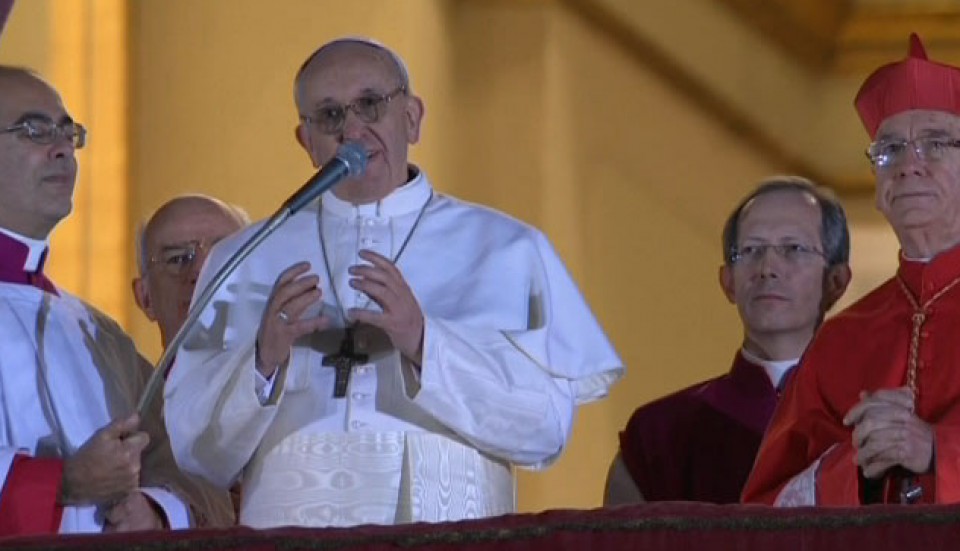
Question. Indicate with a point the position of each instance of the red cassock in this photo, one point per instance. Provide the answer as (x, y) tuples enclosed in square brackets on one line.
[(28, 503), (866, 347), (698, 444)]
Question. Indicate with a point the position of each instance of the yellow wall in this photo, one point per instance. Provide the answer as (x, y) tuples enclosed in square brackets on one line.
[(529, 109), (80, 47)]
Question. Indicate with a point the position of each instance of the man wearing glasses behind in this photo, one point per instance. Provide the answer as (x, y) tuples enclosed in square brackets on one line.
[(390, 353), (74, 455), (785, 251), (873, 415), (171, 248)]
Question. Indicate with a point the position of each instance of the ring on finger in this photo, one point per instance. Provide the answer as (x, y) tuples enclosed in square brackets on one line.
[(283, 316)]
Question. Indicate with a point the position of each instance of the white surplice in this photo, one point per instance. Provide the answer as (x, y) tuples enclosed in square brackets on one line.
[(53, 414), (510, 348), (67, 370)]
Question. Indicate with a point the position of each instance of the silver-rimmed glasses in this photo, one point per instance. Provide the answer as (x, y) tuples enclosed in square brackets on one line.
[(887, 153), (177, 260), (330, 119), (792, 253), (46, 132)]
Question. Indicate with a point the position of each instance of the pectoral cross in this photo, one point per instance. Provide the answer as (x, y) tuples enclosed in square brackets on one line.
[(343, 362)]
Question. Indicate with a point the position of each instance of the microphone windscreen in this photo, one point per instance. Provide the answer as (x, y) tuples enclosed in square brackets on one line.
[(354, 156)]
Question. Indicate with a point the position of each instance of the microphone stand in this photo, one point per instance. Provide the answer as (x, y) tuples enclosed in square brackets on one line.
[(166, 360), (350, 161)]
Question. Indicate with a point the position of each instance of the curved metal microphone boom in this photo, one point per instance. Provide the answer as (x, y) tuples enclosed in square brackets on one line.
[(350, 162)]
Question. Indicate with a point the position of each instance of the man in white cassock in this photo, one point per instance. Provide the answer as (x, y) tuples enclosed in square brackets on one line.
[(390, 353), (74, 455)]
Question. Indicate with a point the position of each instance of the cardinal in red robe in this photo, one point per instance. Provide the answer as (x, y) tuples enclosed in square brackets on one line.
[(873, 412)]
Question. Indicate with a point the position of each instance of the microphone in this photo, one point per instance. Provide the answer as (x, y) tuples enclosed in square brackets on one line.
[(349, 162)]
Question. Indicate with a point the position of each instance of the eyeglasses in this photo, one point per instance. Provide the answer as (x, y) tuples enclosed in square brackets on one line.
[(177, 260), (791, 253), (886, 153), (46, 132), (330, 119)]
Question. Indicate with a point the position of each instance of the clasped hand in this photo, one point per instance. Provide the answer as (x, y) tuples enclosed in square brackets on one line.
[(400, 317), (294, 291), (134, 513), (887, 433), (282, 322)]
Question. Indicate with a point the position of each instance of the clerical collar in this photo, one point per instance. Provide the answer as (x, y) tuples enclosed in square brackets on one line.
[(22, 253), (924, 279), (775, 369), (406, 199)]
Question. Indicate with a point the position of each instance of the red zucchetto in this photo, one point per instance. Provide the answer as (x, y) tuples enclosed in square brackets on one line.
[(913, 83)]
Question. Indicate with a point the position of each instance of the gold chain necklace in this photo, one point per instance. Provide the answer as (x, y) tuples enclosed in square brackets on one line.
[(920, 313)]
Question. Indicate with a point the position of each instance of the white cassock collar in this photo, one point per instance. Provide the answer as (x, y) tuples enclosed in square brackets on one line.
[(407, 198), (775, 369)]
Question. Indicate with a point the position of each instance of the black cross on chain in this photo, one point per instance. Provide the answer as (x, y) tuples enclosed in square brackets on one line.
[(343, 362)]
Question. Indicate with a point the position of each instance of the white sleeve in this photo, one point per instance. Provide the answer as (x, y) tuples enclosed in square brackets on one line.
[(214, 414), (513, 394), (177, 513), (264, 386), (213, 410), (801, 490), (485, 389)]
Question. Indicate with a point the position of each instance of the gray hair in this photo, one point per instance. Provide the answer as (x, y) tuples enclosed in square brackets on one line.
[(398, 63), (235, 212), (834, 234)]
